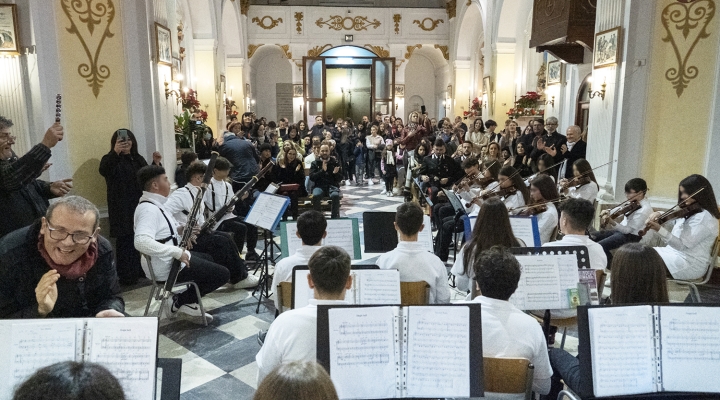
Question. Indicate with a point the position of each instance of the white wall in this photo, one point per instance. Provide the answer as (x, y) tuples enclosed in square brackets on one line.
[(269, 67), (420, 81)]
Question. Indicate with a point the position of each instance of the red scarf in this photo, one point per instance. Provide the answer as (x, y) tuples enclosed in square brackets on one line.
[(77, 268)]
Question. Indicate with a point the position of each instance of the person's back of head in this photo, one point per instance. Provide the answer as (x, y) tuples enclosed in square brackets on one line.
[(196, 168), (497, 273), (147, 174), (330, 270), (188, 158), (638, 276), (311, 227), (578, 213), (71, 380), (409, 218), (299, 380)]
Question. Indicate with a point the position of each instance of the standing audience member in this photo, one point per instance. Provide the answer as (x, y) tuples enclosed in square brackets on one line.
[(298, 380), (120, 167), (185, 160), (325, 174), (289, 171), (71, 380), (59, 267), (573, 150), (360, 153)]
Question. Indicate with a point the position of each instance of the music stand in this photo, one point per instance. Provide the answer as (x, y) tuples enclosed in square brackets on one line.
[(424, 195)]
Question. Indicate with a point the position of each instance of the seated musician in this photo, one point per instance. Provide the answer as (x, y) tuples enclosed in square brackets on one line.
[(687, 253), (543, 192), (311, 227), (60, 266), (439, 171), (507, 331), (219, 193), (289, 171), (623, 230), (293, 335), (583, 185), (410, 257), (217, 244), (325, 173), (157, 234), (512, 189)]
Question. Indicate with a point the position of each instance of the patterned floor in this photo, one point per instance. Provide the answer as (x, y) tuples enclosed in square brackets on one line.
[(219, 360)]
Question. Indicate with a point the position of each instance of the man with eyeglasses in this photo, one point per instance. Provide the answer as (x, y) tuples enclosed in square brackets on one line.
[(550, 142), (23, 197), (59, 267)]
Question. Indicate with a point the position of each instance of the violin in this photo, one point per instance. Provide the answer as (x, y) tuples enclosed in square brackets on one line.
[(625, 210), (685, 211), (508, 191), (534, 209), (578, 182)]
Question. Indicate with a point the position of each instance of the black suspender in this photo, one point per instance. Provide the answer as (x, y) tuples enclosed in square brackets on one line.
[(212, 189), (186, 212), (172, 236)]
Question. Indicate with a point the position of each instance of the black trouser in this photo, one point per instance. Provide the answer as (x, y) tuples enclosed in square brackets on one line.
[(293, 210), (224, 252), (611, 240), (207, 274), (238, 230), (128, 260), (242, 207), (440, 211), (566, 367), (445, 235)]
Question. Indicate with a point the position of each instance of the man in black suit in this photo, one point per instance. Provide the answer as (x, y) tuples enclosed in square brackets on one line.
[(574, 149), (439, 170)]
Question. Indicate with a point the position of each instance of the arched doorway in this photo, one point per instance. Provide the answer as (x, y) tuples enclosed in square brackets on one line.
[(582, 110), (348, 81)]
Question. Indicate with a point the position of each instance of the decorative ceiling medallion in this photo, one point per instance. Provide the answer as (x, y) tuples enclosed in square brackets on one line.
[(317, 50), (378, 50), (298, 23), (252, 48), (444, 50), (428, 27), (261, 22), (90, 15), (338, 23), (286, 50), (396, 20), (411, 49), (685, 24)]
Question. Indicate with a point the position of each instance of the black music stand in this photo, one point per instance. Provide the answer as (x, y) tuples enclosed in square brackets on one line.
[(267, 256), (379, 234)]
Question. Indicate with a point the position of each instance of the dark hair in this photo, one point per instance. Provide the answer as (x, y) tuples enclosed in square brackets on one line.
[(470, 161), (579, 213), (71, 380), (492, 228), (636, 184), (298, 380), (131, 136), (493, 167), (147, 174), (265, 146), (706, 198), (330, 268), (638, 276), (583, 167), (517, 181), (548, 160), (409, 218), (196, 168), (546, 186), (439, 142), (497, 273), (222, 164), (7, 123), (272, 125), (490, 123), (311, 226), (188, 158)]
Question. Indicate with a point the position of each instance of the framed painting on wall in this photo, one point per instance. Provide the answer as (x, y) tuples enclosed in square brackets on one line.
[(176, 69), (298, 90), (607, 48), (399, 90), (9, 29), (449, 92), (554, 72), (163, 43)]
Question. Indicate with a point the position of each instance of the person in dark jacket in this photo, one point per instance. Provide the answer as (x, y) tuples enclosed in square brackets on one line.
[(185, 160), (59, 267), (288, 171), (119, 167), (242, 155), (23, 197), (326, 173)]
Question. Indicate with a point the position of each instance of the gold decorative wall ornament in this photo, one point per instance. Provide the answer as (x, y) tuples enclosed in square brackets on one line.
[(317, 50), (397, 66), (261, 22), (411, 49), (685, 24), (85, 16), (396, 20), (286, 50), (444, 50), (339, 23), (431, 27), (378, 50), (469, 2), (298, 22), (252, 48), (450, 8), (244, 6)]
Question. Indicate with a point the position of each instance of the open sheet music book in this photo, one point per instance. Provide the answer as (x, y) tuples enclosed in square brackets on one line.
[(125, 346), (267, 210), (369, 286), (652, 349), (342, 232), (397, 352)]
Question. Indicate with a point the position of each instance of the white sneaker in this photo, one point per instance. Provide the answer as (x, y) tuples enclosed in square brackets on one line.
[(607, 281), (193, 310), (170, 311), (383, 191), (348, 182), (250, 282), (370, 182)]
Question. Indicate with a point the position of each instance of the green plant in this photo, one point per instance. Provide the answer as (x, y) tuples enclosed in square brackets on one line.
[(187, 131)]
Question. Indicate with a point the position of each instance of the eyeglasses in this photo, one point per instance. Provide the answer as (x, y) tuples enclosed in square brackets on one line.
[(6, 137), (61, 234), (550, 124)]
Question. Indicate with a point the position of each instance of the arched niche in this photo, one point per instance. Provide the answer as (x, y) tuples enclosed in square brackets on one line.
[(268, 68), (426, 78), (231, 37)]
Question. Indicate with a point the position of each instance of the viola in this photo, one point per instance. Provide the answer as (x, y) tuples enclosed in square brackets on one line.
[(685, 211)]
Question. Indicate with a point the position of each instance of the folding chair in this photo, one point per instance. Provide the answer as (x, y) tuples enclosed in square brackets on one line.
[(157, 288), (284, 293), (567, 393), (508, 375), (414, 293), (694, 283)]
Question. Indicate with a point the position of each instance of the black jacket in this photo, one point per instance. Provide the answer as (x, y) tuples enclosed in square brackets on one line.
[(578, 151), (22, 266), (290, 175), (123, 189), (438, 169), (325, 179)]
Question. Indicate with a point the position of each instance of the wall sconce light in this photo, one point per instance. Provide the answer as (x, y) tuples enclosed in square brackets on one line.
[(551, 102), (592, 94), (172, 92)]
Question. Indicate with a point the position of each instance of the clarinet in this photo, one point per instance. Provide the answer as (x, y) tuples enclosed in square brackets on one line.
[(210, 222), (192, 221)]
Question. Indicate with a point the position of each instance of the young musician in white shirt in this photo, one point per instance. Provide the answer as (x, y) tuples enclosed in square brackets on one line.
[(218, 194), (311, 229), (507, 331), (509, 178), (412, 259), (543, 191), (293, 335), (583, 185)]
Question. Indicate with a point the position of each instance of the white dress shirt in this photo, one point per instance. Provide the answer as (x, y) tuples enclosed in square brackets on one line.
[(283, 269), (547, 222), (181, 202), (509, 332), (514, 201), (687, 253), (415, 264), (291, 337), (463, 281), (217, 195), (636, 221), (588, 192), (151, 226)]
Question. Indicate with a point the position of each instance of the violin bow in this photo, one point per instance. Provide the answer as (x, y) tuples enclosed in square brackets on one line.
[(681, 203)]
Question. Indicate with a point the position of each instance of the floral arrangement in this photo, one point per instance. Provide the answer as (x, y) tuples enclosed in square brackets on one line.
[(189, 100), (475, 108), (525, 105)]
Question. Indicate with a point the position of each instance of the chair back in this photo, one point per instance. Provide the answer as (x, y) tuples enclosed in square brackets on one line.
[(508, 375), (414, 293), (600, 277), (713, 260), (284, 292)]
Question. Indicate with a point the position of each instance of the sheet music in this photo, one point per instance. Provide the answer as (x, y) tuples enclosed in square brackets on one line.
[(362, 344), (522, 228), (266, 210), (539, 285), (622, 348), (438, 352), (690, 342), (128, 348), (425, 236), (569, 276), (340, 233), (378, 286)]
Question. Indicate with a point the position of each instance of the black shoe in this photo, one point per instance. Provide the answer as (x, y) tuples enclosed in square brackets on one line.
[(252, 256)]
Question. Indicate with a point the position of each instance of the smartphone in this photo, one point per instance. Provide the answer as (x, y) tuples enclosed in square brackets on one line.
[(198, 122), (123, 135), (423, 110)]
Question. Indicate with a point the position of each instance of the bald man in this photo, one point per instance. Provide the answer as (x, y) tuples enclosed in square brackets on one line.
[(574, 149)]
